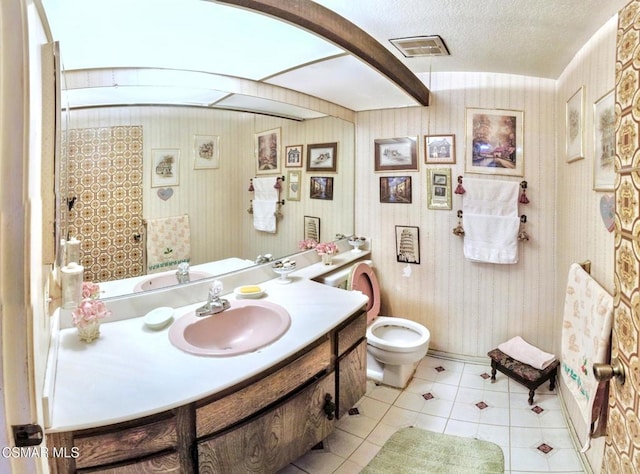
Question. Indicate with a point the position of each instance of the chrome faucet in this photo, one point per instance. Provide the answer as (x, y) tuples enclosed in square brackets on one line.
[(183, 273), (214, 304), (267, 257)]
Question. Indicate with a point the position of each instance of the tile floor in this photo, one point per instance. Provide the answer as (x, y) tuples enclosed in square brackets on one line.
[(456, 398)]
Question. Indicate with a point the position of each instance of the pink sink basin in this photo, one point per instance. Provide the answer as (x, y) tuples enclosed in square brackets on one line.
[(167, 279), (245, 327)]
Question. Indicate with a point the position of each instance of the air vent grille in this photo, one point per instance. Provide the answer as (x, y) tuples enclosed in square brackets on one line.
[(418, 46)]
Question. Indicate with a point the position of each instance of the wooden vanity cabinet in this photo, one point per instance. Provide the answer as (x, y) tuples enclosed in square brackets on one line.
[(260, 425)]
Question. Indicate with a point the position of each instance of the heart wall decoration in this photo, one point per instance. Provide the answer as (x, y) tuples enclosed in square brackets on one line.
[(607, 211), (165, 193)]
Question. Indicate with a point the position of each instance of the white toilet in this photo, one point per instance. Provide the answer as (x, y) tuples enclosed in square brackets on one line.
[(395, 346)]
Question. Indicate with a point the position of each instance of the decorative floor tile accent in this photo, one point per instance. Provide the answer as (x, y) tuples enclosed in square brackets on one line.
[(353, 411), (485, 376), (482, 405), (440, 369), (545, 448), (427, 396), (536, 409)]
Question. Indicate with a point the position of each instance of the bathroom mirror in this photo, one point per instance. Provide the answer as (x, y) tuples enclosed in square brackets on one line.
[(109, 186)]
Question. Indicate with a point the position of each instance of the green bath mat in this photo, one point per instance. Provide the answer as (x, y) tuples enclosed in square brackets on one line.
[(416, 451)]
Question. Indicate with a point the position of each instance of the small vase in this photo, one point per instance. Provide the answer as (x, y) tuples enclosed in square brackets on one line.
[(326, 258), (90, 332)]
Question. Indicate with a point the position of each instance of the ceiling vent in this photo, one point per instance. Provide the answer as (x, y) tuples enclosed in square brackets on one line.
[(420, 46)]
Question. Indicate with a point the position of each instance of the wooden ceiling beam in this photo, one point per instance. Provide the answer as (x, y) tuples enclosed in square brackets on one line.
[(340, 31)]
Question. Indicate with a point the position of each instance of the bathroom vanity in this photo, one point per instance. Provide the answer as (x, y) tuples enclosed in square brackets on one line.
[(132, 402)]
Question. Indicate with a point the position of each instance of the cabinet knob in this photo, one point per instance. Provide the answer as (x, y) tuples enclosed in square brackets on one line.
[(329, 407)]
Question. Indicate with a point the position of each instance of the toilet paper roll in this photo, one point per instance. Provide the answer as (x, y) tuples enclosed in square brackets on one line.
[(72, 250), (72, 275)]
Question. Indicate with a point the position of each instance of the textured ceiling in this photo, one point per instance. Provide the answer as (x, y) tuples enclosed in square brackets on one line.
[(528, 37)]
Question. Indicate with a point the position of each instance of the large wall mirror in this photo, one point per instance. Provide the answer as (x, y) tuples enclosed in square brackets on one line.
[(111, 187)]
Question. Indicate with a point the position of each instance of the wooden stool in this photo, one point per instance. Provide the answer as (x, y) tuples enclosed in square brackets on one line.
[(522, 373)]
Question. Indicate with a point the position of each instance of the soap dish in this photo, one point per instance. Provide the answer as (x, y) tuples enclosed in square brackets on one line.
[(249, 291), (159, 317)]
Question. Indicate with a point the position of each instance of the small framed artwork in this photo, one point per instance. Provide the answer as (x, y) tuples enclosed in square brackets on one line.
[(604, 123), (494, 142), (396, 154), (206, 152), (440, 149), (322, 157), (439, 188), (312, 228), (321, 188), (395, 189), (407, 244), (166, 167), (293, 156), (268, 151), (574, 127), (293, 186)]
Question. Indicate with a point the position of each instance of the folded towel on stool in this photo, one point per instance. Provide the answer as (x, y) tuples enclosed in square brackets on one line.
[(520, 350)]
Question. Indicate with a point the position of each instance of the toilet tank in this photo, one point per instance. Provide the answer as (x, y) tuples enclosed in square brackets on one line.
[(339, 278)]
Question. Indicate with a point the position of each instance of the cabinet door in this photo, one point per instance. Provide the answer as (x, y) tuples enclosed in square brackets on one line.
[(352, 378), (274, 439)]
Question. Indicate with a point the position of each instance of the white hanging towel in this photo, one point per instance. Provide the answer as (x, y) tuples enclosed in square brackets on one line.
[(265, 200), (490, 220), (168, 243)]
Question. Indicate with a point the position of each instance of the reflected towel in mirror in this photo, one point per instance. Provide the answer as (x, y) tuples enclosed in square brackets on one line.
[(265, 200), (168, 243)]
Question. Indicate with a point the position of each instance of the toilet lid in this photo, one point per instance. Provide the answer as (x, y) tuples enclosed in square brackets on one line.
[(363, 279)]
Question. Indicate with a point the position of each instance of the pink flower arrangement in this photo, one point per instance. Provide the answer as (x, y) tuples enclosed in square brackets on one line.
[(90, 308), (89, 311), (307, 244), (328, 248)]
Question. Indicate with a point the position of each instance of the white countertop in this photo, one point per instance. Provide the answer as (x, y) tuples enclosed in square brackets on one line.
[(132, 371)]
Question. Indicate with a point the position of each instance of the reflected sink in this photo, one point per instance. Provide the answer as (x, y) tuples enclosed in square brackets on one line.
[(245, 327), (167, 279)]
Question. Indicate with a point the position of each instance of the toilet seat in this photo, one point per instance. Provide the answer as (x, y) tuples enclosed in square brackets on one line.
[(363, 279)]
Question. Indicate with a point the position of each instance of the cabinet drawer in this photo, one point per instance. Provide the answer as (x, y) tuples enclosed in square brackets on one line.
[(274, 439), (239, 405), (352, 333), (165, 464)]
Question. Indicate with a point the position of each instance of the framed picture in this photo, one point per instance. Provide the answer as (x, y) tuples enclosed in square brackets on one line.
[(165, 170), (407, 244), (494, 142), (440, 149), (396, 154), (395, 189), (322, 157), (293, 186), (439, 188), (312, 228), (267, 146), (604, 124), (206, 152), (293, 156), (575, 125), (321, 188)]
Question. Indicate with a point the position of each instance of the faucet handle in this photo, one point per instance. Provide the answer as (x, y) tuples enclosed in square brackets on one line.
[(216, 289)]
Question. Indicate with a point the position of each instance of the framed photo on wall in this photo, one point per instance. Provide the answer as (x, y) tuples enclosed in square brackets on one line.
[(312, 228), (322, 157), (321, 188), (206, 152), (440, 149), (439, 188), (395, 189), (604, 148), (407, 244), (396, 154), (494, 139), (165, 169), (575, 126), (293, 185), (293, 156), (267, 145)]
